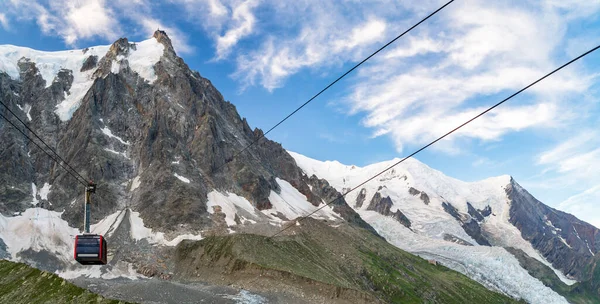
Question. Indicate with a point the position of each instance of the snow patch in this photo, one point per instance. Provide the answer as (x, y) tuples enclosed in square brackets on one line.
[(116, 152), (38, 229), (34, 194), (115, 67), (588, 247), (564, 241), (245, 297), (292, 204), (140, 232), (119, 270), (181, 178), (45, 191), (26, 109), (430, 221), (135, 183), (107, 225), (141, 60), (230, 204), (109, 133)]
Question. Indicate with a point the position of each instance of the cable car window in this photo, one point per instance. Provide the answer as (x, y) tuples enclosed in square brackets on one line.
[(85, 245)]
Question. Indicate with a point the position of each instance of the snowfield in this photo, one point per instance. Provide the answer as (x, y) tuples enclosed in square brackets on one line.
[(289, 204)]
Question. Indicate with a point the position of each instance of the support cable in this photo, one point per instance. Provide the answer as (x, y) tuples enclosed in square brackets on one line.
[(443, 136), (40, 139), (43, 150), (330, 85)]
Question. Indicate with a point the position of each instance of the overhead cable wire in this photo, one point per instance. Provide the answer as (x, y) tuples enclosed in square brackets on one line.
[(79, 177), (443, 136), (330, 85), (40, 139), (43, 150)]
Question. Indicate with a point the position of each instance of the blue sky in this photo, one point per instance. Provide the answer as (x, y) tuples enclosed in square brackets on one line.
[(269, 57)]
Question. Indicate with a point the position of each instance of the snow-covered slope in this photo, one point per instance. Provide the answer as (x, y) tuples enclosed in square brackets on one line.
[(49, 64), (420, 193)]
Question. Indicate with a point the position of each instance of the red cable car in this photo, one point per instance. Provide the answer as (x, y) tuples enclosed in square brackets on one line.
[(90, 249)]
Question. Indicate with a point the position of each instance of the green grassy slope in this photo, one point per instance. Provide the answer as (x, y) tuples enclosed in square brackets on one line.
[(344, 257), (20, 283)]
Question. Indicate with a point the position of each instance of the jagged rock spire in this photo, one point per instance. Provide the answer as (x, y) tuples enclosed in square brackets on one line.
[(162, 37)]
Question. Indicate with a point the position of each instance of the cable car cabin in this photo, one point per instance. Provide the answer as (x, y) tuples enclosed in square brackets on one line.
[(90, 249)]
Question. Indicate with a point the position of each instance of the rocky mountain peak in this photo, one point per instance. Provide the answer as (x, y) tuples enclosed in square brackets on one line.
[(120, 47), (163, 38), (144, 116)]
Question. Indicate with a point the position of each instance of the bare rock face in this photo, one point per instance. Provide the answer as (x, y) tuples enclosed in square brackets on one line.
[(474, 212), (422, 195), (468, 223), (455, 239), (89, 63), (570, 244), (360, 199), (383, 206)]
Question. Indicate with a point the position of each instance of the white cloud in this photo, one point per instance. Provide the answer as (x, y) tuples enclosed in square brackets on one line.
[(70, 20), (3, 21), (86, 19), (243, 21), (75, 21), (371, 31), (217, 8), (577, 158), (584, 205), (431, 80), (478, 51), (573, 166), (226, 21), (415, 47), (279, 58)]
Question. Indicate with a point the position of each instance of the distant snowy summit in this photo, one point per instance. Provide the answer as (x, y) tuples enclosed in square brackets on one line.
[(467, 225)]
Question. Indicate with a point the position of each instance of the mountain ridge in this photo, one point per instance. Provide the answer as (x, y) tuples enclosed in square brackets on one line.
[(442, 209)]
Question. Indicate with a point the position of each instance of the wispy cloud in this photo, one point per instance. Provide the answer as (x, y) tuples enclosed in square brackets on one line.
[(227, 21), (278, 58), (333, 138), (431, 80), (577, 157), (573, 166), (3, 21), (243, 21), (77, 21), (585, 205), (484, 50), (71, 20)]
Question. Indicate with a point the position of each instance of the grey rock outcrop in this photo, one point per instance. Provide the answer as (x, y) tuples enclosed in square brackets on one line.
[(470, 225), (360, 199), (422, 195), (383, 205)]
